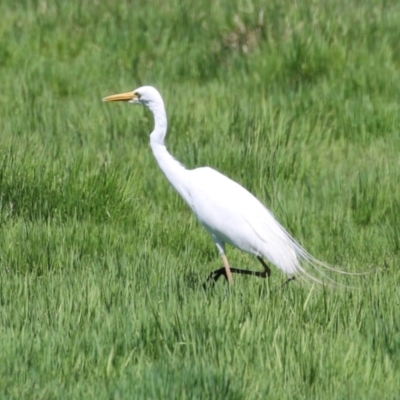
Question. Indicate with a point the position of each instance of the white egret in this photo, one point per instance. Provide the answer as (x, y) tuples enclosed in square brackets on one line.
[(229, 212)]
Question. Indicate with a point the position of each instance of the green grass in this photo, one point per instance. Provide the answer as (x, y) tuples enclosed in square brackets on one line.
[(101, 262)]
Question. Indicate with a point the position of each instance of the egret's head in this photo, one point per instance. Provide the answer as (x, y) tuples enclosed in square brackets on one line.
[(145, 95)]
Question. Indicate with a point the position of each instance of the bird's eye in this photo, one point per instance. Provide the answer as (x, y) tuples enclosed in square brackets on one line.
[(137, 95)]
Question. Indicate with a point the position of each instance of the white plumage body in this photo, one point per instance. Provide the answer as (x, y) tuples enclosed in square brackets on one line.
[(233, 215), (226, 209)]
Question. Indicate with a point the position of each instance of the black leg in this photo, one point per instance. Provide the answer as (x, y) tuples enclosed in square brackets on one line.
[(215, 275), (267, 270)]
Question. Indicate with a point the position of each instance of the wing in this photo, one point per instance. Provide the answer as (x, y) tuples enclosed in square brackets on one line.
[(233, 215)]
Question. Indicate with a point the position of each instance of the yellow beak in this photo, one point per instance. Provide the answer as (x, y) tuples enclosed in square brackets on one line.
[(121, 97)]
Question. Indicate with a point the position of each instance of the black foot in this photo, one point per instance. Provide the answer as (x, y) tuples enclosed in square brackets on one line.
[(215, 275), (292, 278)]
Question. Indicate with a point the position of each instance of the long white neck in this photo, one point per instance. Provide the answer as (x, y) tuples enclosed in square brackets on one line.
[(175, 172)]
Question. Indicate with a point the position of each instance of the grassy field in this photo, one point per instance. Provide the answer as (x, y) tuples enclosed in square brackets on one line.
[(101, 262)]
